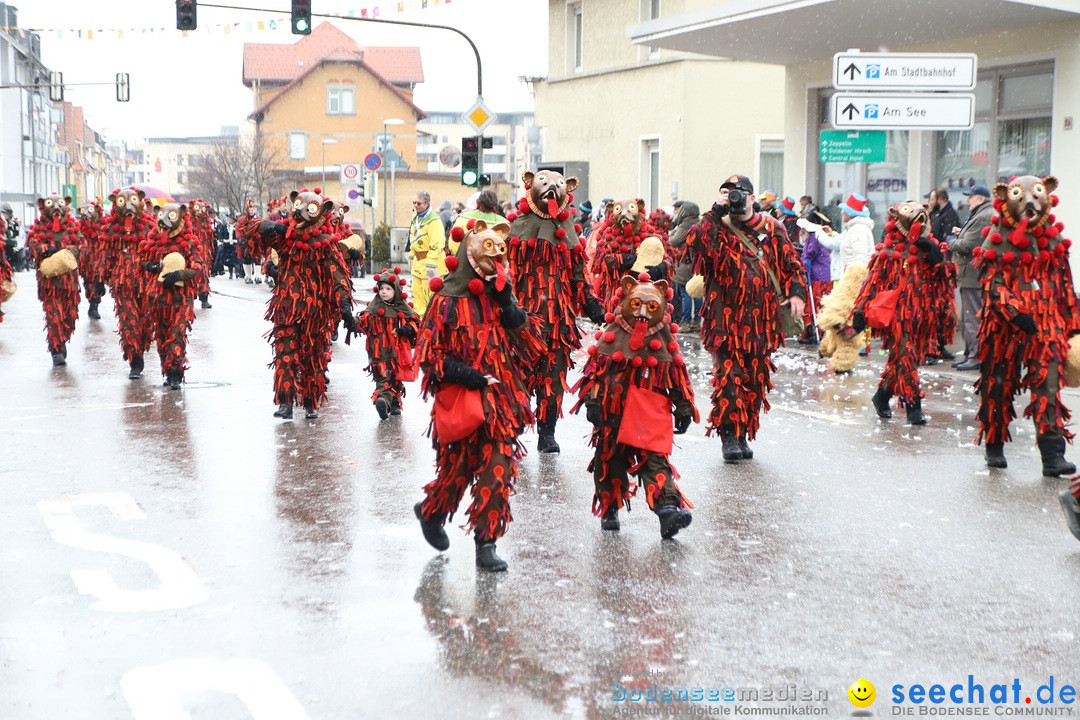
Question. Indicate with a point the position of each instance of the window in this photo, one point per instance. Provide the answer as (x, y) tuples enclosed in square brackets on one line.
[(298, 146), (179, 160), (770, 174), (180, 178), (650, 149), (340, 99), (651, 11), (574, 37)]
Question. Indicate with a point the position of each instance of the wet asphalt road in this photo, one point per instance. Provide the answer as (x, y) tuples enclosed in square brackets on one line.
[(186, 552)]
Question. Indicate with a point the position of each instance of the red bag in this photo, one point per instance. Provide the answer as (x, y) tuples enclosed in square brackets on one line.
[(458, 412), (408, 365), (881, 311), (646, 421)]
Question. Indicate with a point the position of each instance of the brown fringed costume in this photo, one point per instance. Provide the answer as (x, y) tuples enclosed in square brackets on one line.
[(7, 285), (636, 376), (122, 231), (1029, 313), (740, 318), (92, 257), (547, 262), (173, 258), (313, 290), (391, 330), (55, 231), (618, 238), (475, 339), (202, 226), (907, 263)]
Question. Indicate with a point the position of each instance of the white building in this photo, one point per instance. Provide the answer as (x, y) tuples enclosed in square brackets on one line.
[(165, 163)]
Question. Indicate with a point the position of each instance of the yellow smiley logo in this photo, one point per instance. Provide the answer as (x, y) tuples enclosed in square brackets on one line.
[(862, 693)]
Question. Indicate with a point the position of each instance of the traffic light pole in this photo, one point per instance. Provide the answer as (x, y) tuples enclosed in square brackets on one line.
[(476, 53)]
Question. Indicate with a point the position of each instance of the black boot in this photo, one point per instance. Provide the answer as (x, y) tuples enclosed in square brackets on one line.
[(174, 379), (546, 443), (995, 455), (92, 312), (432, 529), (205, 300), (383, 408), (395, 407), (310, 412), (136, 368), (914, 413), (731, 448), (881, 402), (58, 359), (486, 557), (672, 520), (1072, 512), (1052, 449), (747, 453), (610, 519), (284, 411)]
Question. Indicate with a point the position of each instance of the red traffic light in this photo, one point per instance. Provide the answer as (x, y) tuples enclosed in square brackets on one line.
[(469, 144)]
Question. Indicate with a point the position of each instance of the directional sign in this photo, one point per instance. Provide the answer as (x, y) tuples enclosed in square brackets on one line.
[(904, 71), (350, 173), (903, 111), (478, 116), (373, 161), (848, 146)]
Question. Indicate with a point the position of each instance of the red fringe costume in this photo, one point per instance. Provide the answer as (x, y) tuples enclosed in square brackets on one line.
[(122, 231), (312, 292), (92, 256), (1025, 270), (56, 230), (944, 291), (169, 310), (617, 242), (620, 360), (6, 273), (463, 324), (740, 325), (203, 228), (384, 325), (547, 262), (899, 263)]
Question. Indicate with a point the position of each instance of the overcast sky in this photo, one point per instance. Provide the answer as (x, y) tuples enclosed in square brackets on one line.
[(183, 86)]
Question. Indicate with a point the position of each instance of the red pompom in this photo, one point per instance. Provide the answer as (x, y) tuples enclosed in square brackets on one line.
[(397, 269), (471, 223), (990, 254), (476, 286), (643, 277), (560, 233), (401, 282), (1022, 242), (618, 356), (879, 246), (977, 251), (382, 311), (598, 334), (672, 346), (512, 216), (1059, 250), (1053, 200), (523, 205), (674, 329), (1067, 243), (374, 288), (890, 226), (452, 263), (404, 296), (636, 362), (563, 216), (655, 344), (435, 284), (1042, 243), (994, 238), (577, 228), (609, 336), (456, 233), (678, 359), (317, 190), (401, 316), (1008, 256), (651, 362), (986, 231), (1025, 257), (609, 317), (569, 197), (592, 350), (670, 296)]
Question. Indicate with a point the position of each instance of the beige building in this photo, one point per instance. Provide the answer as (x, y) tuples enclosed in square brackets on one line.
[(166, 163), (655, 123), (1027, 95)]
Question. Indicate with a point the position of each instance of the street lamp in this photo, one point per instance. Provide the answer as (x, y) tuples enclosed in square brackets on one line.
[(393, 166), (325, 142)]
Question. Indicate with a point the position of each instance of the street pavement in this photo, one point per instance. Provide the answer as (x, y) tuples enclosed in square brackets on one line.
[(184, 554)]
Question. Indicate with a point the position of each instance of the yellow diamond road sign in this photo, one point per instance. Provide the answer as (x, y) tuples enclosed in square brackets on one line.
[(478, 116)]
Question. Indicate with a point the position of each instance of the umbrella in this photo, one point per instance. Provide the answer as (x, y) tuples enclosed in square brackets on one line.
[(157, 197)]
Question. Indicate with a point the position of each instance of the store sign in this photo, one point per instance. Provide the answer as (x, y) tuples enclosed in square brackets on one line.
[(904, 71), (850, 146), (903, 111)]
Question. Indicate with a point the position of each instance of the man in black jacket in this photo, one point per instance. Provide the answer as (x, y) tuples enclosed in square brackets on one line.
[(943, 217), (968, 238)]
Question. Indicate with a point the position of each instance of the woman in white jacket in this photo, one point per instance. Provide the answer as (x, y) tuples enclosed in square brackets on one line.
[(856, 243)]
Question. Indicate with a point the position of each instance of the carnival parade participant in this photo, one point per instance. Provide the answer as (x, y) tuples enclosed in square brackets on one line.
[(751, 274), (547, 264), (91, 257), (618, 238), (478, 350), (390, 325), (54, 243), (198, 220)]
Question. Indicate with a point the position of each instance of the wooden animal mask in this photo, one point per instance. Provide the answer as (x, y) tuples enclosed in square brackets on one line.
[(54, 206), (548, 190), (1027, 197), (171, 219), (128, 202), (909, 213), (643, 302), (90, 212), (630, 213), (307, 208), (486, 249)]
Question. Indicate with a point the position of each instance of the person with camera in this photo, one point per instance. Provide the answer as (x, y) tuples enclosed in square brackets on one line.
[(752, 275)]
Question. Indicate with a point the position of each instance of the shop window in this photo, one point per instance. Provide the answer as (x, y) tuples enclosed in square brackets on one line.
[(575, 42)]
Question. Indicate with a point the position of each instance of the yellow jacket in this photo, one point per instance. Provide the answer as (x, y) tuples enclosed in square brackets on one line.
[(427, 235)]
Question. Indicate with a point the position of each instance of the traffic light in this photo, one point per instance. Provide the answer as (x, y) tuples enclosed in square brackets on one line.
[(301, 17), (56, 86), (123, 87), (470, 161), (186, 11), (485, 180)]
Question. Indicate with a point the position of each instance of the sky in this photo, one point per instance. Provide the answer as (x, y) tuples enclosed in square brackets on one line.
[(191, 86)]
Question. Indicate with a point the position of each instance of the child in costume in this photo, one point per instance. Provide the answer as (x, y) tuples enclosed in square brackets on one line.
[(635, 376), (390, 324), (478, 351)]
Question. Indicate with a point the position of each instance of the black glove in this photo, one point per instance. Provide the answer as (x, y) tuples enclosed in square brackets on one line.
[(682, 423), (355, 255), (271, 229), (151, 266), (502, 297), (931, 248), (1025, 322), (171, 278), (594, 415), (858, 321), (407, 331), (348, 320), (595, 311), (628, 262), (657, 272), (512, 317), (719, 210), (49, 253), (459, 373)]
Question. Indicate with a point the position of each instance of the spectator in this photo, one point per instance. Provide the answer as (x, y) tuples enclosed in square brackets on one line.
[(445, 214), (427, 245), (790, 218), (968, 238), (807, 206), (687, 308), (585, 218), (943, 217)]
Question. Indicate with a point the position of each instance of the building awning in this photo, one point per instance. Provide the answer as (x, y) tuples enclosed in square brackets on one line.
[(790, 32)]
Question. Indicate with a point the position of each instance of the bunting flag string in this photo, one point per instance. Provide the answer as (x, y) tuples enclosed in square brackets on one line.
[(273, 24)]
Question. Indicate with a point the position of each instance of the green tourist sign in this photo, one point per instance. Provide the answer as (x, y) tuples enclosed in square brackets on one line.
[(849, 146)]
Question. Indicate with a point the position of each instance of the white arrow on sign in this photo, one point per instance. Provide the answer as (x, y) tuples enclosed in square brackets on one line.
[(904, 71), (903, 111)]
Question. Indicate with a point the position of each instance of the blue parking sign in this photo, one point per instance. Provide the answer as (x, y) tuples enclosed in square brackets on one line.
[(870, 111), (873, 71)]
